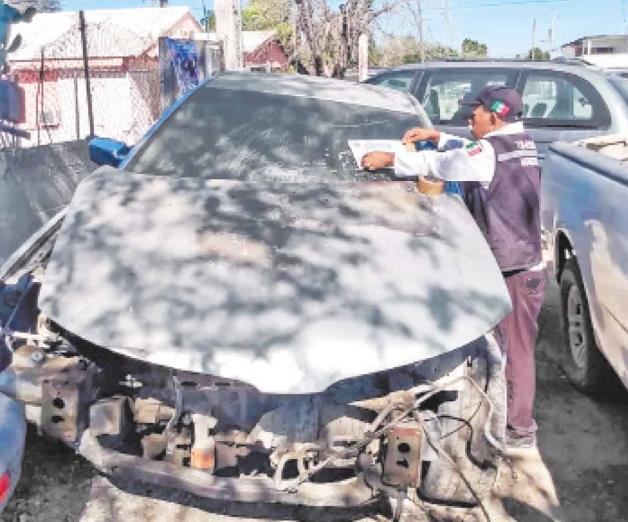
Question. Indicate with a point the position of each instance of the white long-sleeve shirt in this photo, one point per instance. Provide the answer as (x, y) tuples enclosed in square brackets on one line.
[(475, 161)]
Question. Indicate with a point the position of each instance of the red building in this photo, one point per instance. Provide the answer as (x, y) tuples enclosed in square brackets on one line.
[(263, 52)]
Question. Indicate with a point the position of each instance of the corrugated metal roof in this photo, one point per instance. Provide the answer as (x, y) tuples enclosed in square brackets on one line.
[(110, 32)]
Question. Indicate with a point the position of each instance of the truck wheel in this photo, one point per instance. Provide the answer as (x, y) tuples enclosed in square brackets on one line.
[(581, 359)]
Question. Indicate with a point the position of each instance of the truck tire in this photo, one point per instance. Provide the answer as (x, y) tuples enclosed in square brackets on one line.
[(581, 359)]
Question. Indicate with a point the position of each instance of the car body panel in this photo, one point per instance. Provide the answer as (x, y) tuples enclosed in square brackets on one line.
[(583, 195), (287, 286), (12, 435)]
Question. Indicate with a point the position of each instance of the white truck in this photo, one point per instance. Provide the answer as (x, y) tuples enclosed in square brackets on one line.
[(584, 215)]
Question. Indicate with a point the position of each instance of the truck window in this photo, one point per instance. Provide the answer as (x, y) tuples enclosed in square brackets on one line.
[(443, 89), (557, 99), (400, 80)]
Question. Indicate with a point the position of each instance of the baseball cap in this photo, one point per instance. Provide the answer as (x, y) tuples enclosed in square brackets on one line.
[(503, 101)]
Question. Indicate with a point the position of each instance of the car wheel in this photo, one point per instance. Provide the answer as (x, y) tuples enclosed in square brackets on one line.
[(581, 360)]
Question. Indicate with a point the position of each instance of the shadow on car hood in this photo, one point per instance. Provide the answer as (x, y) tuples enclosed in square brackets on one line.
[(287, 286)]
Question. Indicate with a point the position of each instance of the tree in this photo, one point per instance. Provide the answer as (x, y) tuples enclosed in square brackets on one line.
[(538, 54), (42, 6), (473, 48), (397, 50), (209, 20), (328, 40), (261, 15)]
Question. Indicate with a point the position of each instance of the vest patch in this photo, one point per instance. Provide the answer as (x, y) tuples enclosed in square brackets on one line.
[(473, 148)]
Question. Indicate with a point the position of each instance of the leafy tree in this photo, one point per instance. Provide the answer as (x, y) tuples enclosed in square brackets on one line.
[(473, 48), (326, 39), (209, 20), (261, 15), (42, 6), (538, 54)]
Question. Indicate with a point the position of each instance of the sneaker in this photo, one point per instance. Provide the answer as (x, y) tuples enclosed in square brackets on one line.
[(520, 441)]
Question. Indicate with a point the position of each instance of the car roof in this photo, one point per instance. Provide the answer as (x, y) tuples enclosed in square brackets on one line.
[(571, 66), (316, 87)]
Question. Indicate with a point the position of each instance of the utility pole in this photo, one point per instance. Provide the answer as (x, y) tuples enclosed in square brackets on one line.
[(88, 88), (363, 57), (533, 38), (420, 29), (229, 32), (552, 32)]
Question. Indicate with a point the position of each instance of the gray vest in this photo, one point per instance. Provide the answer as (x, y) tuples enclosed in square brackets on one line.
[(507, 212)]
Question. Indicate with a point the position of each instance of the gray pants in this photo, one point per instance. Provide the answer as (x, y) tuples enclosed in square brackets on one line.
[(516, 336)]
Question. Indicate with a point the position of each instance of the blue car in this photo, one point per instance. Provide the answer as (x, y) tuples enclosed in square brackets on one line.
[(12, 433)]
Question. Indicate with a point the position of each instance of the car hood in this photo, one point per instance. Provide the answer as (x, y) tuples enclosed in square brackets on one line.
[(287, 286)]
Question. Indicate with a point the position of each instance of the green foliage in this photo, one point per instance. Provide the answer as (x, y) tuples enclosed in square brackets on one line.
[(473, 48), (209, 20), (538, 54), (262, 15)]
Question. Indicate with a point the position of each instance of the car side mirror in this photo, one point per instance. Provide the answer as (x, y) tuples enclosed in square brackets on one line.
[(105, 151)]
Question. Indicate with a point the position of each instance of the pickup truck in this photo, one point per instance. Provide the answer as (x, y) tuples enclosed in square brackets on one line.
[(584, 189)]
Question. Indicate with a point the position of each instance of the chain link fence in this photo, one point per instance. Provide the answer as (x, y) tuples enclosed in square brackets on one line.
[(125, 84)]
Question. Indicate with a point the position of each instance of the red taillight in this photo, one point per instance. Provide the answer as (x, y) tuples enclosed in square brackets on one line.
[(5, 484)]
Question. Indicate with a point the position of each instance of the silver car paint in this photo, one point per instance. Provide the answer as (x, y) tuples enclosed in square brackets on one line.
[(287, 286), (584, 197)]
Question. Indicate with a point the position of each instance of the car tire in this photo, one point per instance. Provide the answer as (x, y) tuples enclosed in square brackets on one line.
[(581, 359)]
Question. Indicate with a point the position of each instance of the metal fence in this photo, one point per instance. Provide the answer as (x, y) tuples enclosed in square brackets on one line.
[(122, 98)]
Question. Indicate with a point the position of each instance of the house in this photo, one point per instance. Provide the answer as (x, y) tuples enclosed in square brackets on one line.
[(123, 58), (262, 51), (606, 51)]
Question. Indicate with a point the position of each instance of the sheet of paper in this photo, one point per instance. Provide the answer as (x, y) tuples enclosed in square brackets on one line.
[(360, 147)]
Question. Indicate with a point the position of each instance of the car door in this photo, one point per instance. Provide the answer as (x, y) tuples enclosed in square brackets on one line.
[(560, 106), (441, 90)]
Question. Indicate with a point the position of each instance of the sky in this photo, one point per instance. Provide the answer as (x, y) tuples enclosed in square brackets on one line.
[(504, 25)]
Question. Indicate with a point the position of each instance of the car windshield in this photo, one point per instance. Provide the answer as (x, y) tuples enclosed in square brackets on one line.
[(252, 135)]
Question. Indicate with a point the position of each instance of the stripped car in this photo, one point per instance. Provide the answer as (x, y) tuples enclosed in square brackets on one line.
[(239, 312)]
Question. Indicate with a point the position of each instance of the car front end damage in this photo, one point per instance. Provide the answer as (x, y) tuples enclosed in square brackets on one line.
[(424, 426)]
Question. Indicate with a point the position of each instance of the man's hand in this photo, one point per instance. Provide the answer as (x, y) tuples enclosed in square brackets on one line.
[(419, 134), (378, 160)]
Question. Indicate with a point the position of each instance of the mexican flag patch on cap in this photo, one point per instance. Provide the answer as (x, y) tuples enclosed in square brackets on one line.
[(473, 148), (500, 108)]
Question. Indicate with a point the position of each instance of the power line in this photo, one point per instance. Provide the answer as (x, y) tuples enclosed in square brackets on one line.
[(510, 3)]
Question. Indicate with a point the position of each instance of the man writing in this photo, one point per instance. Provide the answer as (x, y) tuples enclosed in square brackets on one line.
[(500, 177)]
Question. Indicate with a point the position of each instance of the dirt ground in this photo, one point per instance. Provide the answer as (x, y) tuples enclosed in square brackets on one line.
[(580, 472)]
